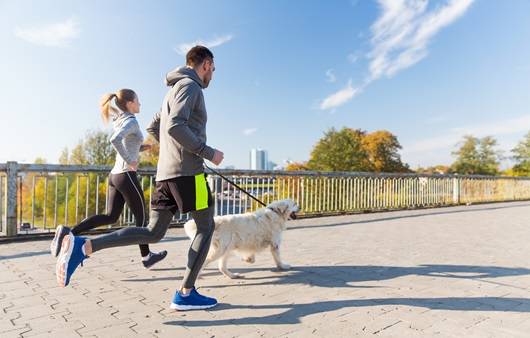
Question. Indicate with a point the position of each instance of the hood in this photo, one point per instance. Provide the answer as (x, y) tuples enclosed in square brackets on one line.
[(120, 120), (181, 73)]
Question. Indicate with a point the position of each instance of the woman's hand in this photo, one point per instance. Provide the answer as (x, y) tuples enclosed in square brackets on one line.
[(133, 165)]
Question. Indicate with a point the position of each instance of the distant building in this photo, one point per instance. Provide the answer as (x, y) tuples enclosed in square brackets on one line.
[(259, 159), (271, 165)]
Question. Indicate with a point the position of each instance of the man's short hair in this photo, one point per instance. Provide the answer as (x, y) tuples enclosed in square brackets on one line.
[(198, 55)]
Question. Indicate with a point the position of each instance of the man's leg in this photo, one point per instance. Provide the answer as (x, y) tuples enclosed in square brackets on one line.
[(199, 247), (159, 221), (76, 249)]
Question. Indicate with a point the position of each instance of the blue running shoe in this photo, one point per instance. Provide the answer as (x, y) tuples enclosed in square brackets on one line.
[(57, 241), (193, 301), (69, 259)]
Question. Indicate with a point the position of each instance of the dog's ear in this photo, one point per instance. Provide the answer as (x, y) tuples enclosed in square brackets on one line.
[(284, 207)]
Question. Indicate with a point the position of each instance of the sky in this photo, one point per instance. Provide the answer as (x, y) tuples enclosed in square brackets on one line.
[(287, 72)]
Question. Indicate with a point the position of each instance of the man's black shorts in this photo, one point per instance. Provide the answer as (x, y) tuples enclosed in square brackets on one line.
[(185, 193)]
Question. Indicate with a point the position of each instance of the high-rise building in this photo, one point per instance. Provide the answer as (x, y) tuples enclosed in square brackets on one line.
[(258, 159)]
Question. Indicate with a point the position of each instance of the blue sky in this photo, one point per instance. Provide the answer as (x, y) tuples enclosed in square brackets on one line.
[(286, 71)]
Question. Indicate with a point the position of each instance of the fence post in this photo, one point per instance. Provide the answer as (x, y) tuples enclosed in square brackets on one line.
[(456, 190), (11, 199)]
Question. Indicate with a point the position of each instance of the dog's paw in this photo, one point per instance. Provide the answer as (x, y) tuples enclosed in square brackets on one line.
[(250, 259), (231, 275), (284, 267)]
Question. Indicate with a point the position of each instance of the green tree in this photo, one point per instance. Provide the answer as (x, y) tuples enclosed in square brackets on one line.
[(355, 150), (477, 156), (522, 157), (340, 151), (64, 158), (94, 149)]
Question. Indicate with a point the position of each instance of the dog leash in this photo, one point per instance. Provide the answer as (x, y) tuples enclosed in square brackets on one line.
[(235, 185)]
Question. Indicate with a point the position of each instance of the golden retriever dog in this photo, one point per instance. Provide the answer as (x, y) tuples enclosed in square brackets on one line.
[(244, 235)]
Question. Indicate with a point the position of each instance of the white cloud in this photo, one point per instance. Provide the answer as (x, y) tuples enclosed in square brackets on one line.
[(331, 77), (57, 35), (399, 39), (449, 139), (403, 31), (216, 41), (340, 97), (250, 131)]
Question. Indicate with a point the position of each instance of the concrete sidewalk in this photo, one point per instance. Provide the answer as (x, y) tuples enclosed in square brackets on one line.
[(457, 271)]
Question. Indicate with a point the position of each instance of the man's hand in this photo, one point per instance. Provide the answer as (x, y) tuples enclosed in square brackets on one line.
[(218, 157)]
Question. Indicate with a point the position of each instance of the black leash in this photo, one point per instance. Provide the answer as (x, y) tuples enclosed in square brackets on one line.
[(235, 185)]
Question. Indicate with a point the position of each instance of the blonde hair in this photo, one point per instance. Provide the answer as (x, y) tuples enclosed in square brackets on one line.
[(121, 98)]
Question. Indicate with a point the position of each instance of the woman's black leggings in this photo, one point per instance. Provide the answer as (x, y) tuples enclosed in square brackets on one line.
[(123, 188)]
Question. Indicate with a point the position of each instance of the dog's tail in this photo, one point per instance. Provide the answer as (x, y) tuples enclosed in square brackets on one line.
[(191, 228)]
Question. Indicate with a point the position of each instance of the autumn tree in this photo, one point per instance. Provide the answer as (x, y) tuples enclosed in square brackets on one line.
[(522, 157), (356, 150), (65, 157), (295, 166), (437, 169), (149, 158), (94, 149), (340, 151), (477, 156), (382, 148)]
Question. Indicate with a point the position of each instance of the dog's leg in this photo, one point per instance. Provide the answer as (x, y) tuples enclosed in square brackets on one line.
[(249, 259), (223, 267), (275, 251)]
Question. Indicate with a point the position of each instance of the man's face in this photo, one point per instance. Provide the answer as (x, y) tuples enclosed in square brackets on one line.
[(209, 68)]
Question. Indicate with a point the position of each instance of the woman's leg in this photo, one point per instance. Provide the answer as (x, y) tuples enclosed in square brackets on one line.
[(76, 249), (116, 203), (129, 186)]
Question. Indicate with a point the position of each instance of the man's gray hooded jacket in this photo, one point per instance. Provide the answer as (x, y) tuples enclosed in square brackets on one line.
[(180, 127)]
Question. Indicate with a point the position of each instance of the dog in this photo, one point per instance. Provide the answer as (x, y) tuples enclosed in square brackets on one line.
[(247, 234)]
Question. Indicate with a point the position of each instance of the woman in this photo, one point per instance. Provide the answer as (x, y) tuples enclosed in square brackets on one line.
[(123, 184)]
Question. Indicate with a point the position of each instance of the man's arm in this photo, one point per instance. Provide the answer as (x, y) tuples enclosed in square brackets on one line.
[(181, 109), (153, 128)]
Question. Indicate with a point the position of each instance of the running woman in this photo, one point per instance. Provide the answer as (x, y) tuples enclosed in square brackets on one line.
[(123, 183)]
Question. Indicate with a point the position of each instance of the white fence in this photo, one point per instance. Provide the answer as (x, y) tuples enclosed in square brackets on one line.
[(38, 197)]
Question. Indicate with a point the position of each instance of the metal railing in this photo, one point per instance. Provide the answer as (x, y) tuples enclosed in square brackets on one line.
[(38, 197)]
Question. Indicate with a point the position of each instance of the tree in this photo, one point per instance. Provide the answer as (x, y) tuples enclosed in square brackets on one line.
[(149, 158), (355, 150), (437, 169), (382, 148), (522, 157), (64, 158), (477, 156), (94, 149), (295, 166), (340, 151)]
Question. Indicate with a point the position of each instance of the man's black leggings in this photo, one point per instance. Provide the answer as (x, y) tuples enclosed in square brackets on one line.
[(123, 188)]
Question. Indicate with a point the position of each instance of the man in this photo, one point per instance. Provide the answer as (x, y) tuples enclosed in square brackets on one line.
[(180, 127)]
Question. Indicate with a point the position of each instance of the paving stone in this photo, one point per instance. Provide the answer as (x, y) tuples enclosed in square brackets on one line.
[(449, 272)]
